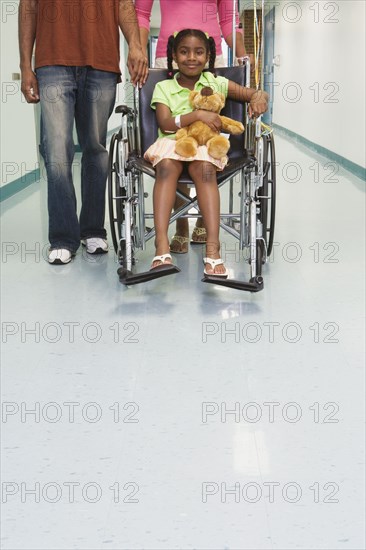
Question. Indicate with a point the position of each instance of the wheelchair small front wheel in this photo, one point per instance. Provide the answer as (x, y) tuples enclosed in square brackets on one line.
[(260, 256)]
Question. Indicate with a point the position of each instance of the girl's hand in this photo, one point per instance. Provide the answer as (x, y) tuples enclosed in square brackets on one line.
[(258, 103), (212, 120)]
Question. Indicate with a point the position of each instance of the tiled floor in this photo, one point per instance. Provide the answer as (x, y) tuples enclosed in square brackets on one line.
[(178, 415)]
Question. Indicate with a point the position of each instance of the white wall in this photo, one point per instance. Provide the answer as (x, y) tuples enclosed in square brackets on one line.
[(19, 153), (330, 54), (322, 53), (20, 121)]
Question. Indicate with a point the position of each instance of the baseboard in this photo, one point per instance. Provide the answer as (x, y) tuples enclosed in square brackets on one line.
[(348, 165), (15, 186), (25, 181)]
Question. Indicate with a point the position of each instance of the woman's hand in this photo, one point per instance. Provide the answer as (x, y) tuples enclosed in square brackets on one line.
[(212, 120), (258, 103)]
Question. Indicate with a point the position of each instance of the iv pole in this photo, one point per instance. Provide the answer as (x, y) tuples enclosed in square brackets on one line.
[(234, 32)]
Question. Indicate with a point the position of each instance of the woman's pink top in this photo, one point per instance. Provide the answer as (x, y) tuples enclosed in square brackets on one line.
[(212, 16)]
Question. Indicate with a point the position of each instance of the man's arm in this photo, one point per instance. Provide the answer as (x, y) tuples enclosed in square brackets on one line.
[(27, 24), (136, 60)]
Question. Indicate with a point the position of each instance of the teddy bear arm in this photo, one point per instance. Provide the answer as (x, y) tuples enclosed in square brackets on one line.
[(232, 126)]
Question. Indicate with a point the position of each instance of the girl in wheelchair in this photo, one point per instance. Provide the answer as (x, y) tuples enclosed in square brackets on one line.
[(191, 49)]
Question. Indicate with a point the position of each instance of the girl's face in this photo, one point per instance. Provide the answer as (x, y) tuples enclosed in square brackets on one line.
[(191, 56)]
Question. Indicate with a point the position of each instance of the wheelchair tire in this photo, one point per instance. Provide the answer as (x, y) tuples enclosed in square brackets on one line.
[(260, 257), (114, 191), (268, 205)]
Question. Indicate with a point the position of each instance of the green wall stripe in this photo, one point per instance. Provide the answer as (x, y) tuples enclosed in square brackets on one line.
[(19, 184), (352, 167), (15, 186), (10, 189)]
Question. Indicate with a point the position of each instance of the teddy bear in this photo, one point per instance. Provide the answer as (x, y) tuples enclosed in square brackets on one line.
[(199, 133)]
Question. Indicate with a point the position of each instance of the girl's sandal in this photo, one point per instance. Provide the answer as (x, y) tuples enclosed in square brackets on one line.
[(199, 235), (213, 263), (181, 247), (164, 263)]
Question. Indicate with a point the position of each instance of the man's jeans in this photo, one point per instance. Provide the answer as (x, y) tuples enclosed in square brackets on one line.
[(88, 96)]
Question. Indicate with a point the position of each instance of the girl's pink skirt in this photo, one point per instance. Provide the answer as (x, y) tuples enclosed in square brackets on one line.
[(163, 148)]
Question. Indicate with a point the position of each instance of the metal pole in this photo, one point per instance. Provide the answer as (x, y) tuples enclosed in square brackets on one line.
[(262, 43), (234, 32)]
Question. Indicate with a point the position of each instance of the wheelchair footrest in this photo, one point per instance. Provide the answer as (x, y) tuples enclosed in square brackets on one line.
[(254, 285), (128, 278)]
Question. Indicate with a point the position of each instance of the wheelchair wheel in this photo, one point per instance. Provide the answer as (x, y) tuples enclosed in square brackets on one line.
[(114, 192), (268, 205), (126, 196), (119, 205)]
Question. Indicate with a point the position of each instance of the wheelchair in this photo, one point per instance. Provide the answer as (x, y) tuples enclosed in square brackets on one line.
[(251, 157)]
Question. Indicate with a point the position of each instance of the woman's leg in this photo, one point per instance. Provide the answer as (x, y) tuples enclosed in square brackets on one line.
[(181, 226), (167, 174), (204, 176), (177, 244)]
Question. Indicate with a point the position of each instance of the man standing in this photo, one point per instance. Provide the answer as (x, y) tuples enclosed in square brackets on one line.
[(75, 78)]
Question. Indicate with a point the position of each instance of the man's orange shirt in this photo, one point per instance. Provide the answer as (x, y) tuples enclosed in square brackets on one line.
[(78, 33)]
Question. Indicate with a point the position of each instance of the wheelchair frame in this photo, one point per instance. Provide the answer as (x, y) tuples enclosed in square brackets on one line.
[(256, 217)]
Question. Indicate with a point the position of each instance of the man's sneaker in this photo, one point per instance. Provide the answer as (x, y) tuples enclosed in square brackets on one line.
[(59, 256), (95, 245)]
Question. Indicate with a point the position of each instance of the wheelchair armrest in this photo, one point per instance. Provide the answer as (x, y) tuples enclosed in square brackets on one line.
[(142, 165), (123, 109)]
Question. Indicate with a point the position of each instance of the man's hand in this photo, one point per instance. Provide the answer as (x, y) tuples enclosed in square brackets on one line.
[(258, 103), (137, 66), (30, 86)]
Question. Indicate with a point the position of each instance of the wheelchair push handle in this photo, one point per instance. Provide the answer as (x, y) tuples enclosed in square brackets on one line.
[(123, 109), (245, 60)]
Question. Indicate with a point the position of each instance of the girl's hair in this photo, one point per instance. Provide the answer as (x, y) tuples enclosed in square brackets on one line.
[(174, 41)]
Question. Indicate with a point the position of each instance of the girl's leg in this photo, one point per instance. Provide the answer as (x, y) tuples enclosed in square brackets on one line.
[(204, 176), (167, 174)]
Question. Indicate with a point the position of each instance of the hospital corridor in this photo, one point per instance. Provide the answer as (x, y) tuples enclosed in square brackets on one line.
[(176, 414)]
